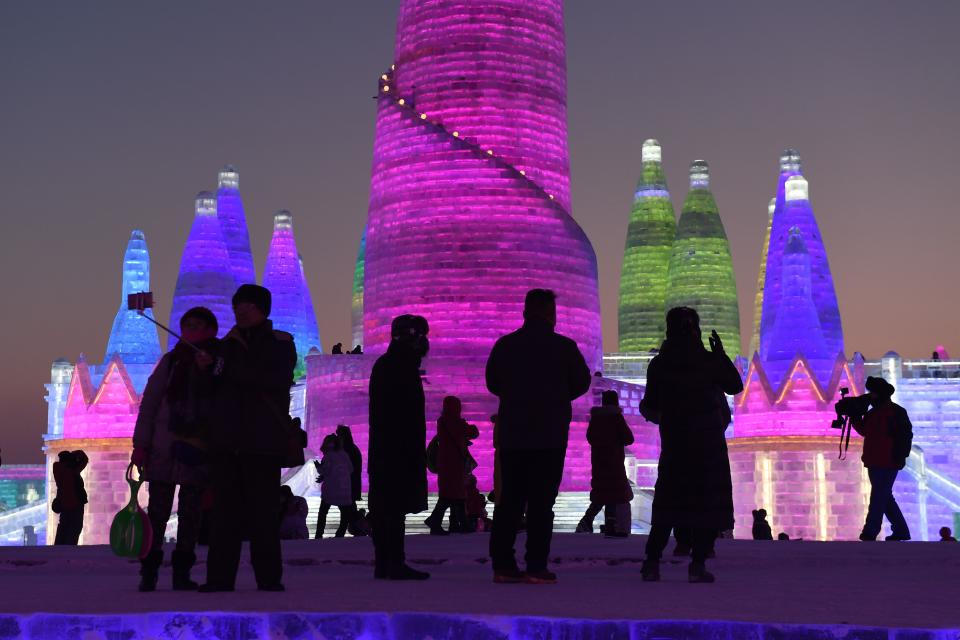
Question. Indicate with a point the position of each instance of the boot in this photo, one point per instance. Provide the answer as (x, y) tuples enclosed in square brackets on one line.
[(650, 570), (584, 526), (436, 529), (458, 517), (183, 561), (697, 572), (149, 568)]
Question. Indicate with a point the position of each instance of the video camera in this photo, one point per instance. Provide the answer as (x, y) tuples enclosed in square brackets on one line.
[(842, 422)]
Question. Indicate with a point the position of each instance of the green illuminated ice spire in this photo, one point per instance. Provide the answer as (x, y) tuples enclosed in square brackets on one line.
[(646, 259), (761, 280), (701, 271)]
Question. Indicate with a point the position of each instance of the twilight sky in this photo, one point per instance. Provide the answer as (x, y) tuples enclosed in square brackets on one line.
[(115, 114)]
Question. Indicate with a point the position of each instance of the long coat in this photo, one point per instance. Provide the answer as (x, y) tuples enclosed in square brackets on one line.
[(608, 433), (253, 391), (153, 432), (685, 396), (452, 435), (356, 459), (537, 373), (396, 457), (335, 473)]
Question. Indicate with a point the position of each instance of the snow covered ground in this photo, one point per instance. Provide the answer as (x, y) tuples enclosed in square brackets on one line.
[(829, 589)]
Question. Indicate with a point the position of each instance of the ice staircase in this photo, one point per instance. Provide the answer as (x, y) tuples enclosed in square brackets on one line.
[(12, 522)]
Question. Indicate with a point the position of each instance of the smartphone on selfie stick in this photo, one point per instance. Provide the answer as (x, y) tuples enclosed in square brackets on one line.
[(142, 301)]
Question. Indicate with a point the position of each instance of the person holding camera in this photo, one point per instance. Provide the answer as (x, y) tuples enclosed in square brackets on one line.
[(71, 496), (169, 444), (397, 458), (887, 440), (685, 397), (248, 442)]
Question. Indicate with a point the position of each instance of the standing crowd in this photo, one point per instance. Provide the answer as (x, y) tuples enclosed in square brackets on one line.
[(214, 423)]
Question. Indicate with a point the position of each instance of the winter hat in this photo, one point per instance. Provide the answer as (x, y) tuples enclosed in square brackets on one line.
[(254, 294), (610, 398), (408, 326), (202, 314), (879, 386), (452, 407)]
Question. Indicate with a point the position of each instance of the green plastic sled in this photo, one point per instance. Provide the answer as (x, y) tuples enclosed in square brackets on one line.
[(131, 534)]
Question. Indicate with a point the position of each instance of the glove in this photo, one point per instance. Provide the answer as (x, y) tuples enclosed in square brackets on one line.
[(138, 457), (716, 345)]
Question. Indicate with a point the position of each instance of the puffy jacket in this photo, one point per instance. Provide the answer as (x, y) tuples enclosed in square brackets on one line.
[(537, 374), (887, 436)]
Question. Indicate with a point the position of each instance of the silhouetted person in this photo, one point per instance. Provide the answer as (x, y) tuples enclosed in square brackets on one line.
[(356, 475), (761, 528), (685, 396), (935, 356), (337, 349), (536, 373), (396, 459), (71, 496), (170, 444), (453, 439), (335, 473), (248, 442), (477, 517), (887, 440), (783, 536), (946, 535), (608, 434), (293, 515), (357, 350)]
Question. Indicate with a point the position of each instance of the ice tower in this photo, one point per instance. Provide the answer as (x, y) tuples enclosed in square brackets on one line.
[(701, 270), (205, 279), (469, 193), (233, 225), (469, 209), (356, 305), (133, 338), (793, 210), (312, 335), (283, 276), (646, 259), (761, 280)]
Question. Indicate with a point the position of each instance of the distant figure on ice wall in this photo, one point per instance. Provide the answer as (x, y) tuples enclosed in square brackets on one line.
[(170, 443), (536, 373), (248, 442), (71, 496), (453, 455), (887, 440), (685, 396), (397, 459), (608, 435)]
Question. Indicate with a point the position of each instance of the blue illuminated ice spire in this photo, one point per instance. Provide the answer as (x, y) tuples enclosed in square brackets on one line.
[(312, 335), (793, 209), (233, 225), (283, 276), (205, 279), (797, 330), (133, 337)]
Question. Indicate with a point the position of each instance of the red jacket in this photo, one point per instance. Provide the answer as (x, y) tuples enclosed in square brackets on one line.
[(608, 433), (887, 436), (453, 434)]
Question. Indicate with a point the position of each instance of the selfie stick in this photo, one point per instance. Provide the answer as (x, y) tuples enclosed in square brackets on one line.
[(140, 302)]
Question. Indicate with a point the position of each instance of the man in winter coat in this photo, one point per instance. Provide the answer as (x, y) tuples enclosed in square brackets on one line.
[(608, 434), (396, 459), (536, 373), (356, 460), (685, 396), (453, 439), (71, 496), (887, 440), (169, 443), (248, 441)]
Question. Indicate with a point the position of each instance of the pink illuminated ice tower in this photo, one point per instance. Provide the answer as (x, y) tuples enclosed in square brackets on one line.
[(469, 209), (470, 185)]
